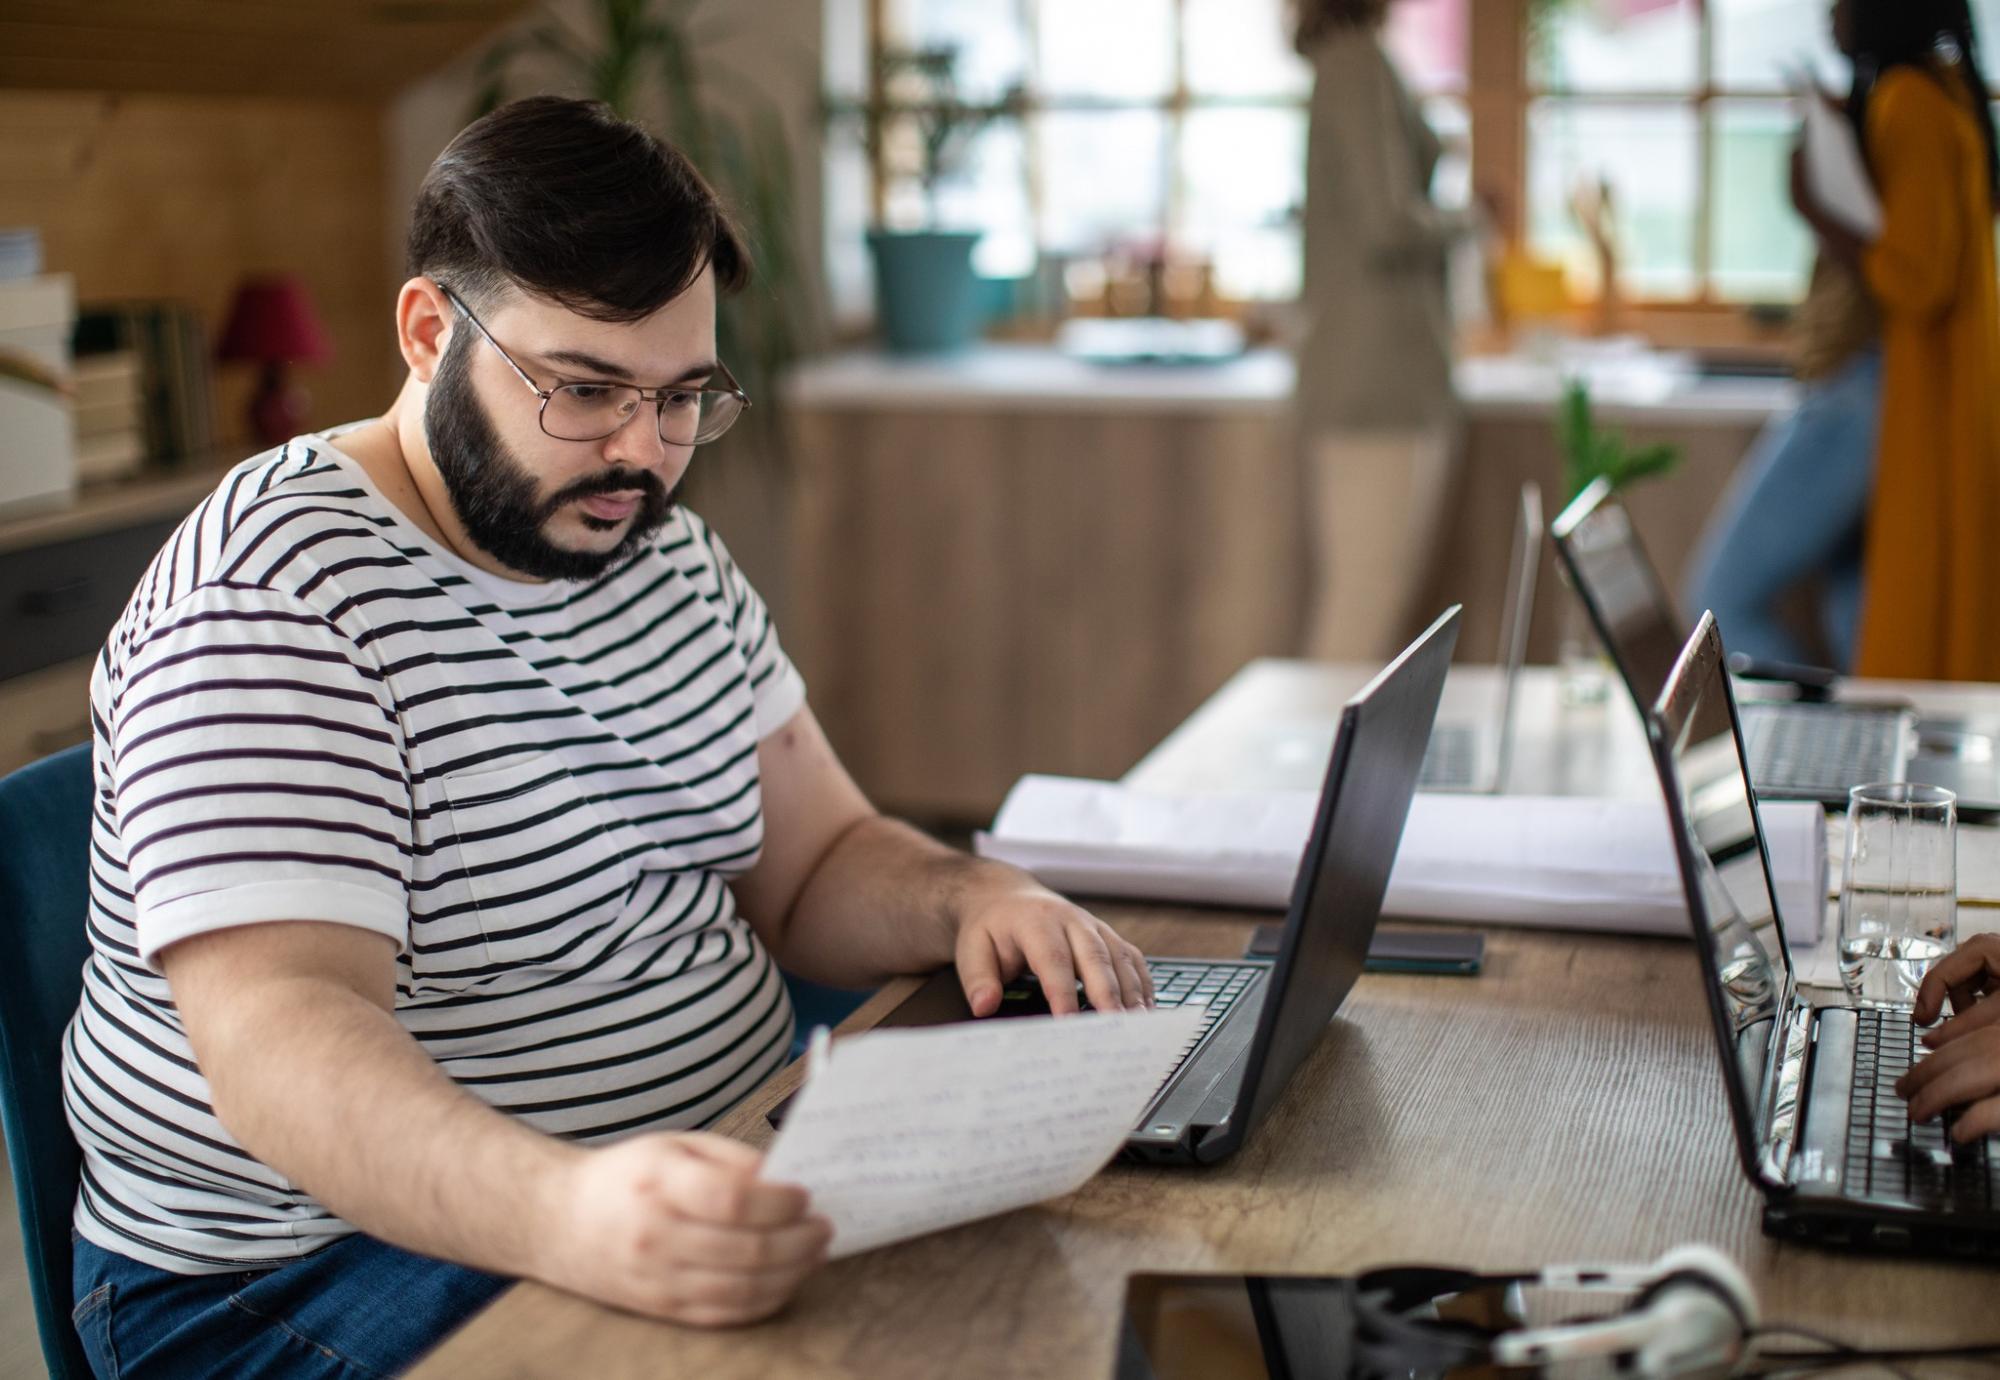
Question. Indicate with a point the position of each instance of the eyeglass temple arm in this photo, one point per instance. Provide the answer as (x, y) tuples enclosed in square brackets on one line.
[(479, 326)]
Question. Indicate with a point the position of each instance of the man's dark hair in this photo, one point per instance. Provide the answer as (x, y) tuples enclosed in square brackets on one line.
[(569, 202)]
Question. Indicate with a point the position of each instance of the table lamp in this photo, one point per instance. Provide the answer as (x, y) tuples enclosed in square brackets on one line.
[(272, 323)]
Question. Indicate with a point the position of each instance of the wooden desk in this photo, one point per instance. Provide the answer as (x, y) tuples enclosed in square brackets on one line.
[(1564, 1106)]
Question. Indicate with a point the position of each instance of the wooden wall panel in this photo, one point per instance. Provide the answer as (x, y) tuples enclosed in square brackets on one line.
[(976, 594), (179, 197)]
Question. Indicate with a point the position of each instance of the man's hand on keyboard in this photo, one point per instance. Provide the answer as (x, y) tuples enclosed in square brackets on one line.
[(1009, 924), (1963, 1068)]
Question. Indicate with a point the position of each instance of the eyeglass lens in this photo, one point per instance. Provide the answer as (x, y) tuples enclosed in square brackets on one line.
[(592, 411)]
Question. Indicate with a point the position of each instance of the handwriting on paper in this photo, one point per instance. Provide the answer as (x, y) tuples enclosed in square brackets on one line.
[(903, 1132)]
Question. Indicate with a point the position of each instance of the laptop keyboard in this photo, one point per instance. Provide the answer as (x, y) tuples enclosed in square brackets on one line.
[(1887, 1156), (1215, 988), (1820, 752), (1452, 758)]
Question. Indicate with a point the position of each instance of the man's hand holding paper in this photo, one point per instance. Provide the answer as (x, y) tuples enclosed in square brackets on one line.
[(903, 1132)]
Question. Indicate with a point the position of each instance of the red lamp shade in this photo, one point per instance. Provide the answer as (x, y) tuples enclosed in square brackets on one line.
[(273, 322)]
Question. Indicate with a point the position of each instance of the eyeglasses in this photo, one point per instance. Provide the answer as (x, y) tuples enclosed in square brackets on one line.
[(593, 411)]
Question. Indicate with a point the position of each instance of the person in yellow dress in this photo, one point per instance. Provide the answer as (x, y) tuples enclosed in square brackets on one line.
[(1931, 576)]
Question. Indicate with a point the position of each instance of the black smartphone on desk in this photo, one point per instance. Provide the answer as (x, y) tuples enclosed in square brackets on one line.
[(1399, 951)]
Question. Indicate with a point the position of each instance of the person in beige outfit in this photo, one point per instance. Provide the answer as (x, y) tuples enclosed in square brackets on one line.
[(1378, 420)]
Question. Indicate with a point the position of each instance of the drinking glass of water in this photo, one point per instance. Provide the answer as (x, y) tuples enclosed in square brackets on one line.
[(1899, 898)]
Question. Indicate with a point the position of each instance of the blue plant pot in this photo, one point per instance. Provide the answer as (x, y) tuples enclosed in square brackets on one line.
[(926, 295)]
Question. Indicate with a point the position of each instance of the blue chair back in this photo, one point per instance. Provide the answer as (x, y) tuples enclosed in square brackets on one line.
[(44, 894)]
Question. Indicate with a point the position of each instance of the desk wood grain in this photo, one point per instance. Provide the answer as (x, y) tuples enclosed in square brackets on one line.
[(1564, 1106)]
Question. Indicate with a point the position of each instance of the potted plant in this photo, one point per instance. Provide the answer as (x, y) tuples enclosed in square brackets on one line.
[(927, 296), (1591, 452)]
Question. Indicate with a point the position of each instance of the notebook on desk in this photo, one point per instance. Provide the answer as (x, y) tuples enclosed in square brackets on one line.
[(1819, 1128)]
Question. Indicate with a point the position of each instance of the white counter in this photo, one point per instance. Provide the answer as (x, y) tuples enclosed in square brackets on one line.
[(1629, 386)]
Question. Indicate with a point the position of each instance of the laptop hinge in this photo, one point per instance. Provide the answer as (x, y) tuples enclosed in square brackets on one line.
[(1784, 1093)]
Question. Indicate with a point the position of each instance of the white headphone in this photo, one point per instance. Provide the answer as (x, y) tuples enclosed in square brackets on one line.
[(1691, 1320), (1692, 1317)]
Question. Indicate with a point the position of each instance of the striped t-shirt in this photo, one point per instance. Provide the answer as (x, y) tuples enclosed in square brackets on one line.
[(311, 711)]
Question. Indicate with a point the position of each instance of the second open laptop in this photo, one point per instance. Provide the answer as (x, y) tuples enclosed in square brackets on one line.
[(1798, 751), (1819, 1128), (1473, 756)]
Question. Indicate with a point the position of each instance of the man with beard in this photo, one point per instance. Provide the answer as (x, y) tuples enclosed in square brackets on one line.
[(456, 806)]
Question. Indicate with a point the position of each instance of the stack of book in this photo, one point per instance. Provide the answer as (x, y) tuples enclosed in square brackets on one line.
[(110, 415), (170, 348)]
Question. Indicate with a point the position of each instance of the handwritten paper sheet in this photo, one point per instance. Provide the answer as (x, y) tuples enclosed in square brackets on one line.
[(903, 1132)]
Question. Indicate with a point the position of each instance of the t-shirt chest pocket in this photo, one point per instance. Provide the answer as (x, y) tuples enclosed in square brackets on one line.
[(527, 868)]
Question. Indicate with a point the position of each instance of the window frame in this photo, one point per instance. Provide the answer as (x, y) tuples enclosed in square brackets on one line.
[(1174, 106), (1496, 93)]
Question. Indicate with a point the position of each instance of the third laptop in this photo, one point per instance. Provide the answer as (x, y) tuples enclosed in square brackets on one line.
[(1797, 751), (1819, 1127)]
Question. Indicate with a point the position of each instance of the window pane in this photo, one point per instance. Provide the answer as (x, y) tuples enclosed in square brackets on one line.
[(1761, 251), (1649, 156), (1756, 39), (1105, 48), (844, 41), (1103, 176), (1428, 40), (1451, 184), (1618, 45), (991, 195), (1242, 48), (990, 38), (1242, 178), (845, 169)]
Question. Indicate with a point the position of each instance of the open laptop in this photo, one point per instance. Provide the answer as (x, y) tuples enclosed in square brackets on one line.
[(1473, 757), (1798, 751), (1264, 1017), (1819, 1128)]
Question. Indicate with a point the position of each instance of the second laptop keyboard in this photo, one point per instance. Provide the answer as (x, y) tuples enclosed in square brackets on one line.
[(1821, 750), (1889, 1155)]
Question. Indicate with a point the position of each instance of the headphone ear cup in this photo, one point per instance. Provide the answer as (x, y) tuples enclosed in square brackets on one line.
[(1707, 1268)]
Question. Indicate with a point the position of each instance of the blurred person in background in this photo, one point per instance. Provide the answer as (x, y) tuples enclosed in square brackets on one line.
[(1799, 502), (1378, 420), (1929, 605)]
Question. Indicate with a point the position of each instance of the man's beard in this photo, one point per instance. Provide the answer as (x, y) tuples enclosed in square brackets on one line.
[(495, 495)]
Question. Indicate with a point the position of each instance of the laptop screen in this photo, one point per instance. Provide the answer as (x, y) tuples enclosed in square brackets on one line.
[(1724, 869), (1519, 614), (1344, 872), (1620, 588)]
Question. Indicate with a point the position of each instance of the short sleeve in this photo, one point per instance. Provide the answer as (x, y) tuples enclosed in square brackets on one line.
[(257, 773), (778, 688)]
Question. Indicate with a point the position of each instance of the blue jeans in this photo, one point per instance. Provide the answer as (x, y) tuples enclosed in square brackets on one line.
[(1796, 508), (356, 1308)]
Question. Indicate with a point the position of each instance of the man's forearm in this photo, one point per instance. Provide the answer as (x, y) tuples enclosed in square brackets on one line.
[(884, 901), (326, 1088)]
